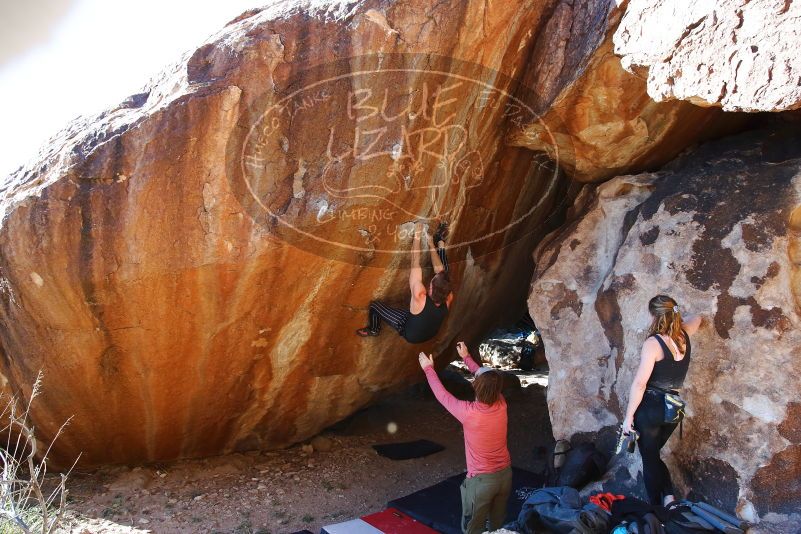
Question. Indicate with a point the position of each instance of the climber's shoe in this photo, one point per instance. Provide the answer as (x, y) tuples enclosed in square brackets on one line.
[(442, 233), (366, 332)]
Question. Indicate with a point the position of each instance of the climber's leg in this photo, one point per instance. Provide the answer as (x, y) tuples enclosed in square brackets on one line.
[(378, 311)]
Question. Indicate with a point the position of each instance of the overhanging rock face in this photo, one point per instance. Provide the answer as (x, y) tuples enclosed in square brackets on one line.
[(188, 269), (600, 116), (718, 230)]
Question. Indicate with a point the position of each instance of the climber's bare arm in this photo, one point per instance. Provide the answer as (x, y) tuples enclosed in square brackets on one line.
[(436, 262), (416, 273)]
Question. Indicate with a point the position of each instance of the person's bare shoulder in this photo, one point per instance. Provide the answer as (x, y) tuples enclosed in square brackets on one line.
[(650, 341), (651, 347)]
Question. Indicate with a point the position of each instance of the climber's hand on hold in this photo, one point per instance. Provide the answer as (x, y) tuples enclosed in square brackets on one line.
[(429, 240), (419, 231)]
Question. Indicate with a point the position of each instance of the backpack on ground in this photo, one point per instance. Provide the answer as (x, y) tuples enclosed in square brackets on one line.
[(582, 465), (556, 459), (560, 511), (648, 524)]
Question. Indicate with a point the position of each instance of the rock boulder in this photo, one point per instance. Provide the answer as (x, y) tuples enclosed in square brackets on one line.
[(740, 55), (719, 230), (600, 115)]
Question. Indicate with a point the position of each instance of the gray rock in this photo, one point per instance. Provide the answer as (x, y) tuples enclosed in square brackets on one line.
[(736, 54), (720, 231)]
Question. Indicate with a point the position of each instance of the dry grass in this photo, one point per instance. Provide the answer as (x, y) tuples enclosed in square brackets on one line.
[(30, 501)]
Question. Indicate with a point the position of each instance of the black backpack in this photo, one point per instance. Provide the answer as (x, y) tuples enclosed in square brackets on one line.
[(583, 464), (556, 459)]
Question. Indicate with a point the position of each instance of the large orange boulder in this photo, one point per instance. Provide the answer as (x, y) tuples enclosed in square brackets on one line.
[(188, 269)]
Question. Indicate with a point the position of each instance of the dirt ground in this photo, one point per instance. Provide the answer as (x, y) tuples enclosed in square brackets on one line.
[(294, 489)]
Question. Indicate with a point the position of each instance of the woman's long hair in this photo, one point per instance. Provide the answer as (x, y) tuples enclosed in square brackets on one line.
[(667, 320), (440, 288)]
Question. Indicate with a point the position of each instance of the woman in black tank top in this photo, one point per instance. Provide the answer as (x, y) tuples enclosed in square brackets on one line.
[(664, 361), (669, 372), (423, 326)]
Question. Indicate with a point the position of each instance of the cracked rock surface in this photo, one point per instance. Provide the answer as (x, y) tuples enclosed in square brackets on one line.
[(740, 55)]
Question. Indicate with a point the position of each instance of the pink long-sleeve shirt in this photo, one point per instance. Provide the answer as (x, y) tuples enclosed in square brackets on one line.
[(484, 426)]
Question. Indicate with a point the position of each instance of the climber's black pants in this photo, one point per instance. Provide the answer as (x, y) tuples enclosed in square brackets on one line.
[(442, 257), (654, 433), (394, 317)]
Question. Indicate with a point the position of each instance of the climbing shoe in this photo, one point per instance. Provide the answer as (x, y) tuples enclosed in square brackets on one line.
[(442, 233), (366, 332)]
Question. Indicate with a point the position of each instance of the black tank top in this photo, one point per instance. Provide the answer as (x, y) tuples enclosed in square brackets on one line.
[(669, 373), (425, 325)]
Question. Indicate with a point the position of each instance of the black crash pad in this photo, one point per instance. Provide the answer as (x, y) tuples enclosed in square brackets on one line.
[(408, 449)]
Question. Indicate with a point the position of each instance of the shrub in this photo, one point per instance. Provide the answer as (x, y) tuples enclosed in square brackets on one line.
[(30, 501)]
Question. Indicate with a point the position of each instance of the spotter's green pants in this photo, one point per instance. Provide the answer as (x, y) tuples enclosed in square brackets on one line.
[(485, 496)]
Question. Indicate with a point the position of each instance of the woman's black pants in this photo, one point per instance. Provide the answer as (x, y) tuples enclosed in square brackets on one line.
[(654, 433)]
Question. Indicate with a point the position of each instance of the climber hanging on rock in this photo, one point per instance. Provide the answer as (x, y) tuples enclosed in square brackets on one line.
[(429, 305)]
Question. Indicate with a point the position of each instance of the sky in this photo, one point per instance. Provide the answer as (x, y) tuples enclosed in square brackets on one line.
[(64, 58)]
